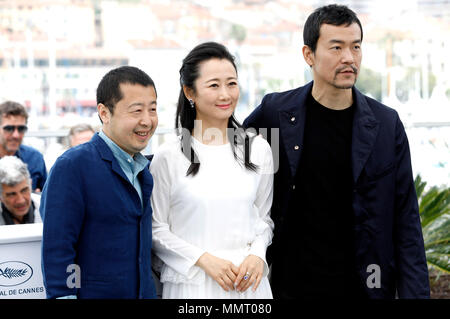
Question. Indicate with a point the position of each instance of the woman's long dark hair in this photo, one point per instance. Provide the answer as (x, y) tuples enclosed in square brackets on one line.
[(185, 115)]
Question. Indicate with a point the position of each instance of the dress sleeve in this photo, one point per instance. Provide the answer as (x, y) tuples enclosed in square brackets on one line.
[(171, 249), (264, 226)]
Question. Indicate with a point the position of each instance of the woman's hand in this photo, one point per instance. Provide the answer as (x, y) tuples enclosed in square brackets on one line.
[(224, 272), (250, 273)]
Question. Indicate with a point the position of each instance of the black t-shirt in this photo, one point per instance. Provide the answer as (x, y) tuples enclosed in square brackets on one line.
[(319, 224)]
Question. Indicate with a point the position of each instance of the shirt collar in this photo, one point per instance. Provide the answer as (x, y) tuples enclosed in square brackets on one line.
[(18, 152), (136, 163)]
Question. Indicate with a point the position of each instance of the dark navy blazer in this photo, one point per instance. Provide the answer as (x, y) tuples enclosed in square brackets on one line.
[(93, 218), (387, 223)]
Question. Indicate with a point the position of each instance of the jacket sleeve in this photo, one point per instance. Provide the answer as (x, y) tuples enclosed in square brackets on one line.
[(412, 279), (62, 208), (264, 226), (254, 120), (173, 251)]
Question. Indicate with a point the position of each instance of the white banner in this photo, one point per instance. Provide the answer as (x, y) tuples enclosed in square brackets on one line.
[(20, 262)]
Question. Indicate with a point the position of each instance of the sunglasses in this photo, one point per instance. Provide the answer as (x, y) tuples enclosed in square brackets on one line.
[(11, 128)]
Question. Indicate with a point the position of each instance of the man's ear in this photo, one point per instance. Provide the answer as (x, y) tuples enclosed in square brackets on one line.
[(308, 55), (103, 113), (188, 92)]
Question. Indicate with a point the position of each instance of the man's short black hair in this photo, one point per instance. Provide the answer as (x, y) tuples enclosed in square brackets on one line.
[(108, 90), (333, 14)]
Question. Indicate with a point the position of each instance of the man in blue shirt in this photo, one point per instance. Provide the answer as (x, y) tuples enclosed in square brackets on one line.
[(96, 203), (13, 121)]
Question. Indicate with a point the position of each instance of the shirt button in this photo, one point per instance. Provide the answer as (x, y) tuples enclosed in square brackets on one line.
[(293, 119), (296, 147), (293, 186), (129, 161)]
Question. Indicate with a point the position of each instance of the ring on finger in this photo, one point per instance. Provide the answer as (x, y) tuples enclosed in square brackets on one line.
[(247, 275)]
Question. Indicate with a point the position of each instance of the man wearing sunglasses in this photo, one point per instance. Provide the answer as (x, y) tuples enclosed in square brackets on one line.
[(13, 126)]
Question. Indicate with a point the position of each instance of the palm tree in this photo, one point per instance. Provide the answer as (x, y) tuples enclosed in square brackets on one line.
[(434, 210)]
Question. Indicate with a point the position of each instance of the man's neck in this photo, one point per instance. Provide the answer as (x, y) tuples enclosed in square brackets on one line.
[(7, 214), (108, 135), (336, 99)]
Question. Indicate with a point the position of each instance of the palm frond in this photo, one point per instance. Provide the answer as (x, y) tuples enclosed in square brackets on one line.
[(437, 204), (439, 261), (434, 210), (420, 185), (437, 232)]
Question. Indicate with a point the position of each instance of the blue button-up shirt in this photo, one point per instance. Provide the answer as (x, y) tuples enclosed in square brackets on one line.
[(131, 166)]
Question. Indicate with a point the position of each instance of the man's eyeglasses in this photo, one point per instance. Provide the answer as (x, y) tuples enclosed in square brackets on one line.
[(11, 128)]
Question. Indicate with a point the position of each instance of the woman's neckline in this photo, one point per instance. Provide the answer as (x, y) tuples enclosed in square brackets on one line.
[(196, 141)]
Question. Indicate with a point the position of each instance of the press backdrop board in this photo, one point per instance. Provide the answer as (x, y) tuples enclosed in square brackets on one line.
[(20, 262)]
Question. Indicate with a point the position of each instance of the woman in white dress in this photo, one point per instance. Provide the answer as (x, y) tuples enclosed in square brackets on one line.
[(213, 189)]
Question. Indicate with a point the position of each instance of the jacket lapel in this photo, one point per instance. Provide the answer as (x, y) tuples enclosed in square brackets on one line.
[(145, 178), (146, 181), (107, 155), (364, 134), (292, 124)]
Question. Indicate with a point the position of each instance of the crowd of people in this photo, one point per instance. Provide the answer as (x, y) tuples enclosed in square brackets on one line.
[(210, 215)]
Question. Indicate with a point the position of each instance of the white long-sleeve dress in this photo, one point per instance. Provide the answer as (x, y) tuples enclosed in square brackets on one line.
[(223, 210)]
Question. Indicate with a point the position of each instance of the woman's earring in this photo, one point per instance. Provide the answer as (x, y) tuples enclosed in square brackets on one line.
[(191, 103)]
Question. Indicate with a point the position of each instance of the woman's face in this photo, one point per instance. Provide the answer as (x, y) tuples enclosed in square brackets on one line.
[(216, 91)]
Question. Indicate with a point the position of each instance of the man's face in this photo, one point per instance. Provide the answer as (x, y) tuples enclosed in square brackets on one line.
[(11, 140), (80, 138), (17, 199), (134, 119), (338, 55)]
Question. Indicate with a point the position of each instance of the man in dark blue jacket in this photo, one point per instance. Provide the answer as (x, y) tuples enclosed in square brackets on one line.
[(96, 203), (345, 208)]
